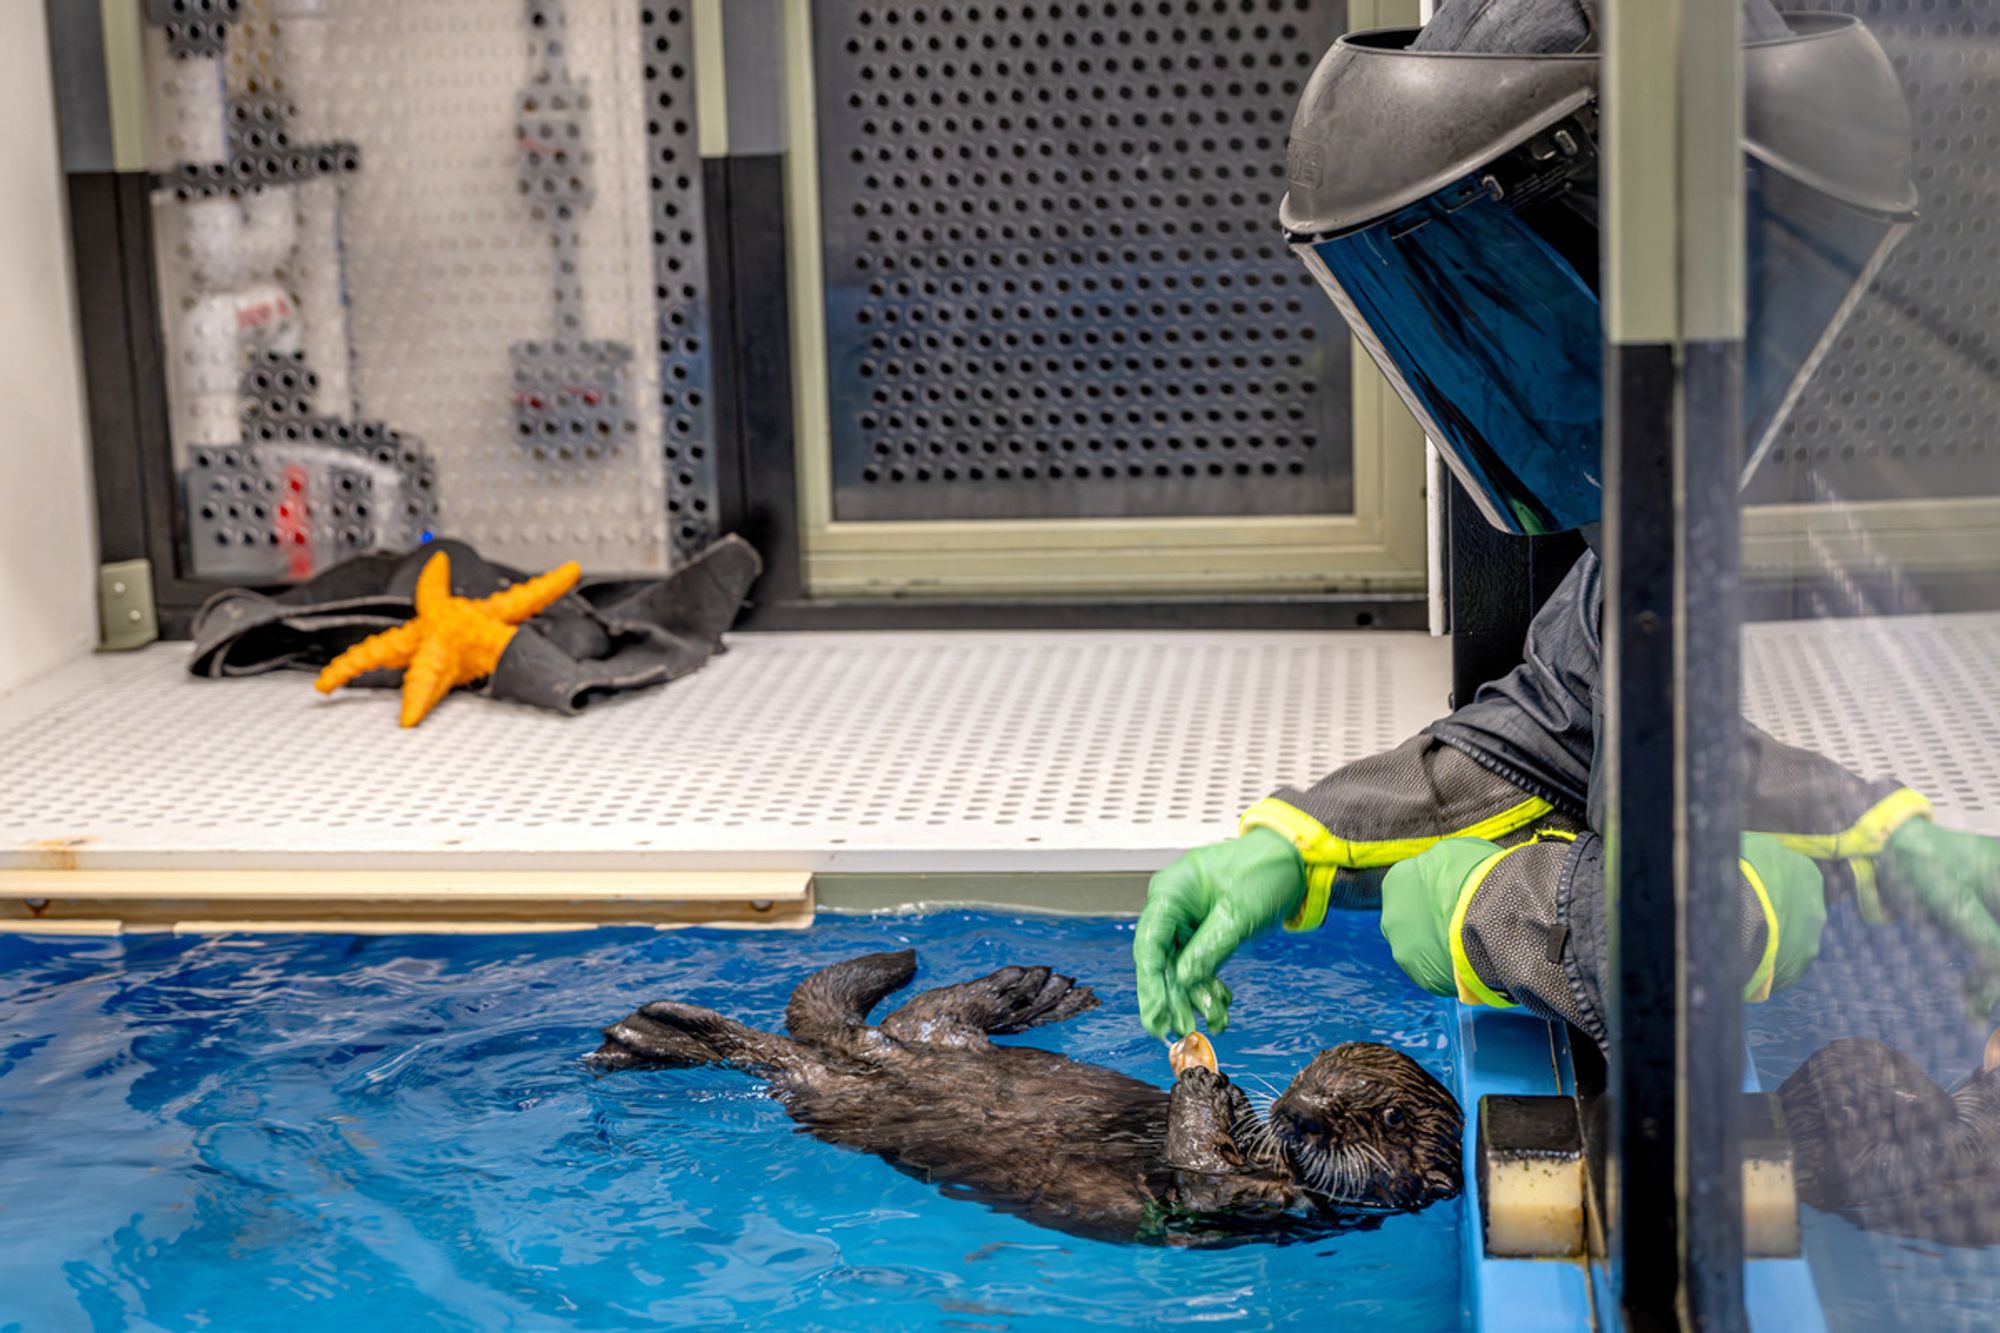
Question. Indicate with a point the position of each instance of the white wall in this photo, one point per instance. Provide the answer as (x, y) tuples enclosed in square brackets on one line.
[(47, 545)]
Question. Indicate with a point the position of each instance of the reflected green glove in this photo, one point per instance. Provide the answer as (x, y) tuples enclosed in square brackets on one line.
[(1798, 899), (1954, 879), (1418, 897), (1198, 911)]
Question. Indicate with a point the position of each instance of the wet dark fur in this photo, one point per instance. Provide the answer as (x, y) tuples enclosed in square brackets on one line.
[(1876, 1140), (1068, 1145)]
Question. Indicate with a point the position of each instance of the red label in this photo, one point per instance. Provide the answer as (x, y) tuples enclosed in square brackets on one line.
[(294, 533)]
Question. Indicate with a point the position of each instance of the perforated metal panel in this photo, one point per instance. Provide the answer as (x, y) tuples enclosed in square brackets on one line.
[(680, 276), (969, 752), (333, 488), (1911, 697), (913, 752), (1908, 401), (1055, 282), (475, 280)]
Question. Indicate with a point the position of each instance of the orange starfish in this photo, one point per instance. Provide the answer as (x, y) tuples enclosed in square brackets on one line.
[(451, 641)]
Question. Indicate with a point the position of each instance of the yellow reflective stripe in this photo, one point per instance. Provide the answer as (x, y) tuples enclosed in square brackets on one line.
[(1311, 911), (1320, 846), (1302, 831), (1867, 835), (1471, 990), (1325, 854), (1759, 988), (1867, 897), (1500, 825), (1298, 827)]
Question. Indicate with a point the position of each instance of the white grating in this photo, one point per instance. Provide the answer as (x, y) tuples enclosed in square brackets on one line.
[(864, 752), (970, 752), (1911, 697)]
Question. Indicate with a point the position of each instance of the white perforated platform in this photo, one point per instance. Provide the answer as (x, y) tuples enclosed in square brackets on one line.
[(905, 753), (861, 752), (1910, 697)]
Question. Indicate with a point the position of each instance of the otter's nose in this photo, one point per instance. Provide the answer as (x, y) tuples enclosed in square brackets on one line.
[(1301, 1123)]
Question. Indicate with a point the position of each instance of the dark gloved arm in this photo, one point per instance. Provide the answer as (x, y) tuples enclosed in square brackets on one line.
[(1350, 826), (1514, 759), (1546, 722), (1300, 852)]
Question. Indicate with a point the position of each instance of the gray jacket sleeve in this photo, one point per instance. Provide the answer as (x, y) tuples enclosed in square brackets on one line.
[(1350, 826), (1523, 756)]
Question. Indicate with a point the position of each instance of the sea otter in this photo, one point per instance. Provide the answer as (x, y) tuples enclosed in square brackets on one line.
[(1877, 1141), (1362, 1130)]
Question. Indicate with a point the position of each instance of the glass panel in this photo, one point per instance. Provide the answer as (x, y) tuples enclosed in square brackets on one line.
[(1872, 552)]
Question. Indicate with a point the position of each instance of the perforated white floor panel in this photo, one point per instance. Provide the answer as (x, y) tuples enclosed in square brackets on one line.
[(1911, 697), (917, 752), (906, 753)]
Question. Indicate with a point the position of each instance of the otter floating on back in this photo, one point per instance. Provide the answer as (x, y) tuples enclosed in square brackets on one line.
[(1362, 1130)]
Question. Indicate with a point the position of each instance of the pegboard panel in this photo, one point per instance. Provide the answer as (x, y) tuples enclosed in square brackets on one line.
[(1907, 403), (301, 482), (949, 751), (1055, 283), (506, 272)]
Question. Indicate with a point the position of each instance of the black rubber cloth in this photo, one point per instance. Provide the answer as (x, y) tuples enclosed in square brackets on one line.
[(608, 636)]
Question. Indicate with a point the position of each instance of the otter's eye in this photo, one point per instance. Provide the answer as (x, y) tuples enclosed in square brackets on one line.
[(1392, 1116)]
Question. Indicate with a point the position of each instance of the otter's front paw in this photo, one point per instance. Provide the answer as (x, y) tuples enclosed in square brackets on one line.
[(1201, 1079)]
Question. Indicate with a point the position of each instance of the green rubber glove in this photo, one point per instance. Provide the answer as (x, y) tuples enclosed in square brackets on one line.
[(1198, 911), (1418, 896), (1954, 879), (1798, 898)]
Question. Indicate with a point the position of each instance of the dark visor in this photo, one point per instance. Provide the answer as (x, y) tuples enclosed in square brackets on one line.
[(1483, 312)]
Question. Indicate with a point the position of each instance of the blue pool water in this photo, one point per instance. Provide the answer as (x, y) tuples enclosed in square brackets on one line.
[(306, 1132)]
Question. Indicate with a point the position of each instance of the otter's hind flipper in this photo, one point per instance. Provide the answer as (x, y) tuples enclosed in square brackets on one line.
[(1013, 999), (665, 1035), (832, 1004)]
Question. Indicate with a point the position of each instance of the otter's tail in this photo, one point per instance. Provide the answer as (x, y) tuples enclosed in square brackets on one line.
[(665, 1035)]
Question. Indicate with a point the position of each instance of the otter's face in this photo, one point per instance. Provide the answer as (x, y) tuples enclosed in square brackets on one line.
[(1364, 1124)]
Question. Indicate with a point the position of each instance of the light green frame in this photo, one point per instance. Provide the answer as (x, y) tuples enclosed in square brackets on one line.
[(125, 83), (711, 95), (1915, 536), (1379, 547)]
